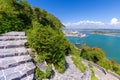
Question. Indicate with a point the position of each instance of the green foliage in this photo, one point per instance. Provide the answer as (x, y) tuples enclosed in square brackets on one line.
[(40, 58), (75, 55), (61, 65), (41, 75), (92, 54), (32, 54), (96, 55), (17, 15), (115, 67), (49, 44), (7, 5), (49, 71), (93, 77), (73, 50), (78, 63), (10, 23), (105, 63), (110, 65), (27, 45), (44, 33), (11, 17), (54, 22)]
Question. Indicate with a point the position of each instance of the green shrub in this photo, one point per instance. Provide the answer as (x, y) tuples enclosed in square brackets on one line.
[(97, 56), (39, 74), (60, 66), (92, 54), (93, 77), (49, 72)]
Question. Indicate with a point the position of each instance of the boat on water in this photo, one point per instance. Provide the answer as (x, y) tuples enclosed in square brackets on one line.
[(82, 35)]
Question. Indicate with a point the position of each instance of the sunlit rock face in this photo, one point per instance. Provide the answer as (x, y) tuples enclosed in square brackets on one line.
[(15, 62)]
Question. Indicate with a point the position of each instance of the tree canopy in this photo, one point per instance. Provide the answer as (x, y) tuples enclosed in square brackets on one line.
[(18, 15)]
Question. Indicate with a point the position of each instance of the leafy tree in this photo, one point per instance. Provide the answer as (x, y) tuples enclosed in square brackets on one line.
[(7, 5)]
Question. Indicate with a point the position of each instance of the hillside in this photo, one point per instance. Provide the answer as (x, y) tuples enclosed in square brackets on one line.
[(43, 30), (51, 52)]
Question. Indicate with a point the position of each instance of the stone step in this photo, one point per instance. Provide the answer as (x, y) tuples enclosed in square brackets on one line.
[(13, 61), (11, 38), (13, 52), (19, 72), (14, 33), (12, 44), (30, 77)]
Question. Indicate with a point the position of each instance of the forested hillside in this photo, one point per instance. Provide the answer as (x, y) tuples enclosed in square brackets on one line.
[(19, 15), (44, 32), (45, 37)]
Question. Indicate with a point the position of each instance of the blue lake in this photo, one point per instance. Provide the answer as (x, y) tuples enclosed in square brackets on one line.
[(110, 43)]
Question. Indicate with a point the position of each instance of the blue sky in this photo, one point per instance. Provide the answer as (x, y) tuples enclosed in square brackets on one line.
[(83, 13)]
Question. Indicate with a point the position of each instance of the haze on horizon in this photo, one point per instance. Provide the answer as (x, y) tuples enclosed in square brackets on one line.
[(83, 14)]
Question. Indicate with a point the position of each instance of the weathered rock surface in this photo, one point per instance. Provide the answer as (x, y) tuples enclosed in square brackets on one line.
[(87, 75), (15, 62)]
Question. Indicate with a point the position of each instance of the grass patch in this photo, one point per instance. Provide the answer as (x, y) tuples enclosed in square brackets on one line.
[(39, 75), (78, 63), (93, 77), (75, 55), (60, 66)]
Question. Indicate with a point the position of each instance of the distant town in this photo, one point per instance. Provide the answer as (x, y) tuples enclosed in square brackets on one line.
[(73, 33)]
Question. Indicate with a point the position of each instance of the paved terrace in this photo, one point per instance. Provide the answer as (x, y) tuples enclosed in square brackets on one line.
[(15, 62)]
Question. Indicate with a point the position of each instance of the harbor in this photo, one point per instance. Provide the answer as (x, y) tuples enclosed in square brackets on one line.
[(73, 33)]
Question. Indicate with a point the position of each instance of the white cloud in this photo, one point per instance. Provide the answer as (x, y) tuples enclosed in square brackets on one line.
[(85, 23), (114, 23)]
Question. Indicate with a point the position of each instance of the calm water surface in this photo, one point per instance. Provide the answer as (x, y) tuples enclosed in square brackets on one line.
[(110, 43)]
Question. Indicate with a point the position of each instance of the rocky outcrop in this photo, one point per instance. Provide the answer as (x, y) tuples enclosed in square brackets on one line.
[(15, 62)]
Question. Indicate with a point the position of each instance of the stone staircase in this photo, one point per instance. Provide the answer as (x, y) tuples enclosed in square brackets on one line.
[(15, 62)]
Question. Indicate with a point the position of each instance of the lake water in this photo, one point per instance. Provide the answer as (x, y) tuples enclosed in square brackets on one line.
[(110, 43)]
